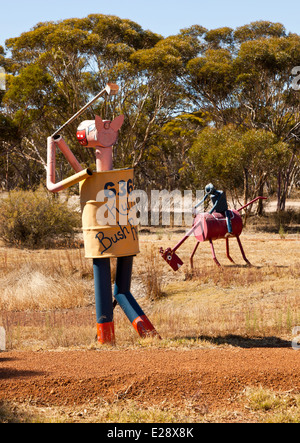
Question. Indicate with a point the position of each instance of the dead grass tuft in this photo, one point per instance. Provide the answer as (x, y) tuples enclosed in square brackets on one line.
[(153, 277), (275, 407), (37, 282)]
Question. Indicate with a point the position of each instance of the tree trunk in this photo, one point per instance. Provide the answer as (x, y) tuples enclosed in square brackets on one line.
[(278, 189), (246, 194), (283, 190), (260, 202), (246, 185)]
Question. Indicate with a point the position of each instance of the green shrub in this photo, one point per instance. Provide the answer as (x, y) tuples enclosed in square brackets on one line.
[(36, 219)]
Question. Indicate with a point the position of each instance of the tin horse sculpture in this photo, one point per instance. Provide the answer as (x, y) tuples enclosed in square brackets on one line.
[(210, 227)]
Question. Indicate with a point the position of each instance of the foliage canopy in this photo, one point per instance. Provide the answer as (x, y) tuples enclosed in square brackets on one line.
[(201, 105)]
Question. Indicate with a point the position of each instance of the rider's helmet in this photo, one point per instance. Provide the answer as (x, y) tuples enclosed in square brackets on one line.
[(209, 189)]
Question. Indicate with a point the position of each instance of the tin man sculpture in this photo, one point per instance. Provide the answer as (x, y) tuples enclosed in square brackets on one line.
[(104, 192)]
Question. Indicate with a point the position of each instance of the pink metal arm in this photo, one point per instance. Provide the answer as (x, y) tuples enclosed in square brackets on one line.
[(67, 153), (80, 175)]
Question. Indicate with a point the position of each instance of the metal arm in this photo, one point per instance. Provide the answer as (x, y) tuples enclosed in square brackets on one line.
[(214, 206), (80, 175), (202, 201), (110, 89), (56, 139)]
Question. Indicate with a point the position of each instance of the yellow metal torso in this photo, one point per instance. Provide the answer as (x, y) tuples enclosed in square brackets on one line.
[(108, 230)]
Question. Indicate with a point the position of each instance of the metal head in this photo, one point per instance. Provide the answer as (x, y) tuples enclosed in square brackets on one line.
[(98, 132), (209, 188), (171, 258)]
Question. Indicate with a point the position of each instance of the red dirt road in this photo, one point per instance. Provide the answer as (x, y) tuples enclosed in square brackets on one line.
[(212, 377)]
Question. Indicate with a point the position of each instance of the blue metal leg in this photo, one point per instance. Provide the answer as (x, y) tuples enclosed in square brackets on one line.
[(103, 298), (126, 300)]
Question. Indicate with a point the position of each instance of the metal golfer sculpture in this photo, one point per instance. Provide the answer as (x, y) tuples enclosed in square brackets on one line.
[(107, 229), (219, 223)]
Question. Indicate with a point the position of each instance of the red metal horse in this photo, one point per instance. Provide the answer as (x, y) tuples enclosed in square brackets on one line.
[(210, 227)]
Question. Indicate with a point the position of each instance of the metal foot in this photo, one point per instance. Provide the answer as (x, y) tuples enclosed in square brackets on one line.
[(127, 302)]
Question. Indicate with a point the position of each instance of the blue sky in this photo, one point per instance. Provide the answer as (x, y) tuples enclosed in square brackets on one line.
[(166, 17)]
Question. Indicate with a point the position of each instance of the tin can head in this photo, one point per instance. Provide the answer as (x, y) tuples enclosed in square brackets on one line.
[(171, 258), (98, 132)]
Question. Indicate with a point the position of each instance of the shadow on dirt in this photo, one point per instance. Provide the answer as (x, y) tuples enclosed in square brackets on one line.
[(7, 373), (245, 342), (7, 359)]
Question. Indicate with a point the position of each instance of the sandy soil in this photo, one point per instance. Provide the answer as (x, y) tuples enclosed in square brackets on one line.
[(214, 378)]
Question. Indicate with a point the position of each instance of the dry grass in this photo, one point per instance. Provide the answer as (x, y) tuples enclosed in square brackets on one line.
[(47, 297), (256, 405), (273, 407), (117, 411), (44, 280), (122, 412), (39, 289), (154, 276)]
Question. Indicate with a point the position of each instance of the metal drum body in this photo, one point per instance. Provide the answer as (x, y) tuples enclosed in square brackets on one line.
[(213, 226), (108, 231)]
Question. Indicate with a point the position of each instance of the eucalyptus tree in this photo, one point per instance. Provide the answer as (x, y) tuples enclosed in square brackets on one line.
[(174, 125), (56, 67), (235, 160), (243, 78), (171, 88)]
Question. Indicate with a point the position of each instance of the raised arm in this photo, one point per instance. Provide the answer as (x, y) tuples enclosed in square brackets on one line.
[(81, 174), (202, 201), (57, 141)]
